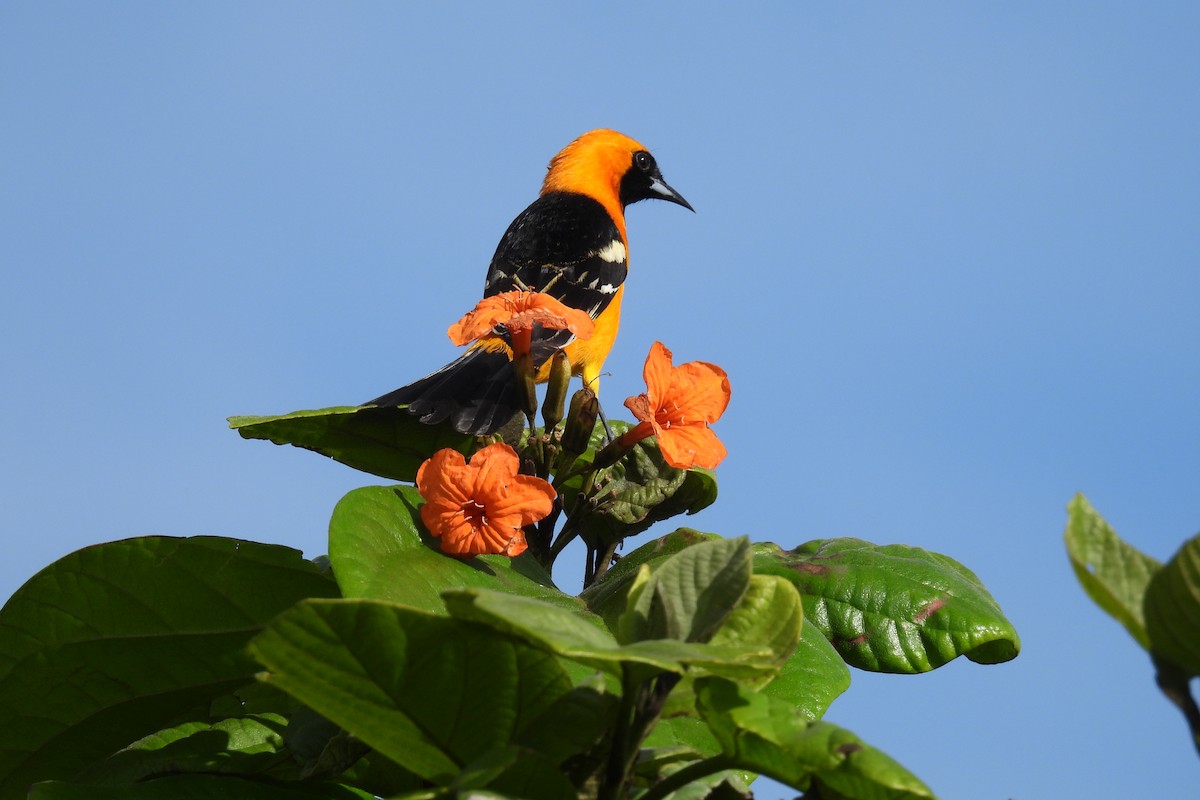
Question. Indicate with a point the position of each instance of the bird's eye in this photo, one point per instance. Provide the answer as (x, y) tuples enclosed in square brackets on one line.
[(643, 161)]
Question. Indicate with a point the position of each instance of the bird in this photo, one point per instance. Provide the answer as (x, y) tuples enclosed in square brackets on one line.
[(569, 243)]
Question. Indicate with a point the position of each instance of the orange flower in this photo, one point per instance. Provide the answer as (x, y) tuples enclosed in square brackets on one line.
[(677, 408), (481, 507), (518, 312)]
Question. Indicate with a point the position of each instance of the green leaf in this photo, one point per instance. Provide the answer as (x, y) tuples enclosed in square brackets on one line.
[(1114, 574), (198, 787), (388, 442), (241, 745), (565, 634), (428, 692), (691, 593), (764, 735), (607, 597), (123, 638), (769, 615), (515, 772), (380, 551), (893, 608), (682, 733), (575, 722), (1173, 609), (638, 491), (812, 678), (320, 748)]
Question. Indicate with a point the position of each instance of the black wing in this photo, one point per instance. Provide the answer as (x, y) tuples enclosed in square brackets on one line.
[(567, 246)]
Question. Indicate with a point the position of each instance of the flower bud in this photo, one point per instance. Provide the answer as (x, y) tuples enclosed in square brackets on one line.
[(526, 383), (581, 420), (556, 389)]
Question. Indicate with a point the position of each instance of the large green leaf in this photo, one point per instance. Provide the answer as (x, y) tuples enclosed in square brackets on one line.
[(238, 745), (1114, 574), (761, 734), (690, 595), (768, 615), (893, 608), (380, 551), (198, 787), (638, 491), (388, 442), (120, 639), (1173, 609), (812, 678), (515, 772), (429, 692), (568, 635)]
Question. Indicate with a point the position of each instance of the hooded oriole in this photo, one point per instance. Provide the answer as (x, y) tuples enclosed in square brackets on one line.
[(569, 243)]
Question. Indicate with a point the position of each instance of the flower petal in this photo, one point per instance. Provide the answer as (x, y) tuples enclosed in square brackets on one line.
[(519, 311), (524, 500), (480, 507), (657, 373), (701, 390), (687, 446)]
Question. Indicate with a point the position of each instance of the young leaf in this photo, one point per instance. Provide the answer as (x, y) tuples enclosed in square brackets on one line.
[(1173, 609), (1114, 574), (690, 594), (893, 608), (122, 638), (607, 597), (764, 735), (428, 692), (768, 615), (565, 634), (380, 551), (388, 442)]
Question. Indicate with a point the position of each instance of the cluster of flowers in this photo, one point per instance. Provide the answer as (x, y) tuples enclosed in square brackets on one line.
[(483, 505)]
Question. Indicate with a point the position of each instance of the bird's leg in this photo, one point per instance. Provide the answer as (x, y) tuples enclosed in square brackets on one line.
[(608, 434)]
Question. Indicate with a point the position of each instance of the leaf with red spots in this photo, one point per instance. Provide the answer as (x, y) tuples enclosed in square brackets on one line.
[(893, 608)]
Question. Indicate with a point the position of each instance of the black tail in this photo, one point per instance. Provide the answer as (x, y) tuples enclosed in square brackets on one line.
[(476, 392)]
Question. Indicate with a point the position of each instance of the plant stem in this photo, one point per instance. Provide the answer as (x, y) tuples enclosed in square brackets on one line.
[(642, 703), (615, 775), (682, 777), (604, 560)]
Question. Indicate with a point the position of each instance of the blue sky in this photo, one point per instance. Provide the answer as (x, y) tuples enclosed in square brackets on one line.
[(947, 254)]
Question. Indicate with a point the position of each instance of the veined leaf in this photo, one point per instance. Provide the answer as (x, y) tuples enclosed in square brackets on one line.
[(1173, 609), (566, 634), (690, 595), (119, 639), (638, 491), (198, 787), (812, 678), (380, 551), (388, 442), (893, 608), (608, 596), (1114, 574), (239, 745), (428, 692), (763, 735)]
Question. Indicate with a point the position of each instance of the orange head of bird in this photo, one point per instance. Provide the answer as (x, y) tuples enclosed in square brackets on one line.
[(612, 168)]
